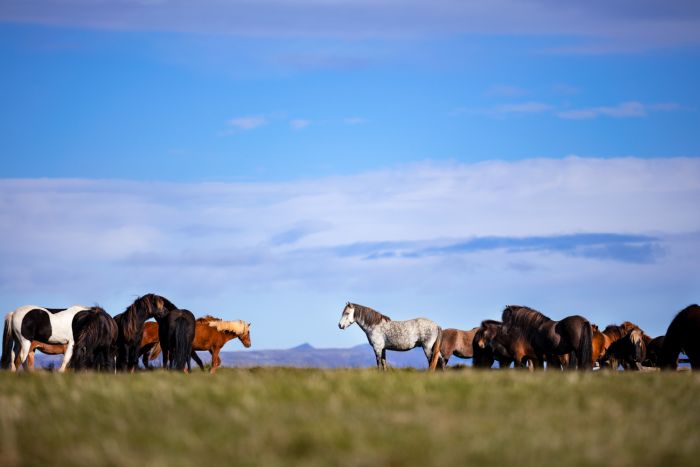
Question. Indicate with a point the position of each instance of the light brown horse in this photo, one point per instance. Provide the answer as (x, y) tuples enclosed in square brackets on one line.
[(48, 349), (210, 334), (456, 342)]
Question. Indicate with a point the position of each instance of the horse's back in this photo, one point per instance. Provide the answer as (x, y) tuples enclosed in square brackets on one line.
[(62, 324), (404, 335)]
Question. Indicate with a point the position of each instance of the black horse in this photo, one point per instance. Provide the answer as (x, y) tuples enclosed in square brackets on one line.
[(683, 334), (551, 339), (176, 334), (130, 325), (95, 335)]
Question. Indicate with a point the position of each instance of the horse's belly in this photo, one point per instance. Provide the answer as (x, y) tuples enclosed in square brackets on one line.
[(400, 342), (61, 330)]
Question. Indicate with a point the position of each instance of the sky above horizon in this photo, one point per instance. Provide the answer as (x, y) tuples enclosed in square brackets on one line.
[(271, 160)]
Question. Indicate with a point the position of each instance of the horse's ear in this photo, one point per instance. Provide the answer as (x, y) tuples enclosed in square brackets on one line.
[(347, 303)]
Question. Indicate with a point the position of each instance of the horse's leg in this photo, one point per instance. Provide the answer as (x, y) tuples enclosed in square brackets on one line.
[(25, 345), (16, 361), (67, 356), (378, 353), (30, 358), (198, 360), (215, 361), (144, 360)]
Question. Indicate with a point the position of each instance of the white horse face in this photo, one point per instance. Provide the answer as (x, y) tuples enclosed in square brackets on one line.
[(348, 316)]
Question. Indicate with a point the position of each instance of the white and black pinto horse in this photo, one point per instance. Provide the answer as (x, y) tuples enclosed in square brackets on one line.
[(34, 323), (384, 334)]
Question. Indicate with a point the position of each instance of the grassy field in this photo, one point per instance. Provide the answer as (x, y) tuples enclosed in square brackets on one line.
[(286, 416)]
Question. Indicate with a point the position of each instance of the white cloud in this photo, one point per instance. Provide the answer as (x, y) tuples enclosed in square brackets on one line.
[(623, 110), (503, 110), (631, 109), (254, 249), (299, 123), (248, 122), (354, 120), (522, 108), (618, 25)]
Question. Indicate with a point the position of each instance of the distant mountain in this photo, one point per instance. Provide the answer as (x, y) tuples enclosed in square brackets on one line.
[(304, 355)]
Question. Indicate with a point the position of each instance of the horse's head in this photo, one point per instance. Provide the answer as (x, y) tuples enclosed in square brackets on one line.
[(637, 338), (488, 331), (245, 336), (348, 316), (157, 306)]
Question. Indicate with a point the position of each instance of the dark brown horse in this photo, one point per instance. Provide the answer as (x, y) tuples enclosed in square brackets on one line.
[(210, 334), (682, 335), (512, 345), (176, 334), (130, 325), (654, 347), (95, 340), (624, 345), (551, 339), (456, 342), (486, 356)]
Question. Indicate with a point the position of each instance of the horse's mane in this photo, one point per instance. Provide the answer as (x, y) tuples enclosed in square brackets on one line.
[(151, 297), (236, 327), (368, 316), (615, 332), (524, 318), (128, 321), (491, 322), (629, 326)]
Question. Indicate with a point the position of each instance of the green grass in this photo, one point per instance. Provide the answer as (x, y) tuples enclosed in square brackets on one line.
[(279, 416)]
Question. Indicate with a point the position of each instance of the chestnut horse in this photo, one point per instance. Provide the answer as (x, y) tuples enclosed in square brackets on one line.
[(210, 334), (456, 342), (48, 349)]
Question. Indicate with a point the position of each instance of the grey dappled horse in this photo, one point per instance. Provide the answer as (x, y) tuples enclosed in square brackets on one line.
[(383, 333)]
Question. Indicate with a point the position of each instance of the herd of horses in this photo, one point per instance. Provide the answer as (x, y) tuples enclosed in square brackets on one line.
[(90, 339), (527, 338)]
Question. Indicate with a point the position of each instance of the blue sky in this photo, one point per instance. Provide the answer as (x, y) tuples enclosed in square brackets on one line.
[(437, 158)]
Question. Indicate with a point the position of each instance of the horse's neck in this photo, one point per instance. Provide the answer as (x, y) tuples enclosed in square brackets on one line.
[(366, 328), (230, 336)]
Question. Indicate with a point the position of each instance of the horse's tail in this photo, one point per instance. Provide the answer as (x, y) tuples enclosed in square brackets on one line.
[(183, 345), (154, 351), (435, 357), (92, 331), (586, 347), (7, 343)]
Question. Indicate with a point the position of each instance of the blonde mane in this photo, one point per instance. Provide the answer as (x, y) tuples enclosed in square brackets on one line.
[(238, 326)]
